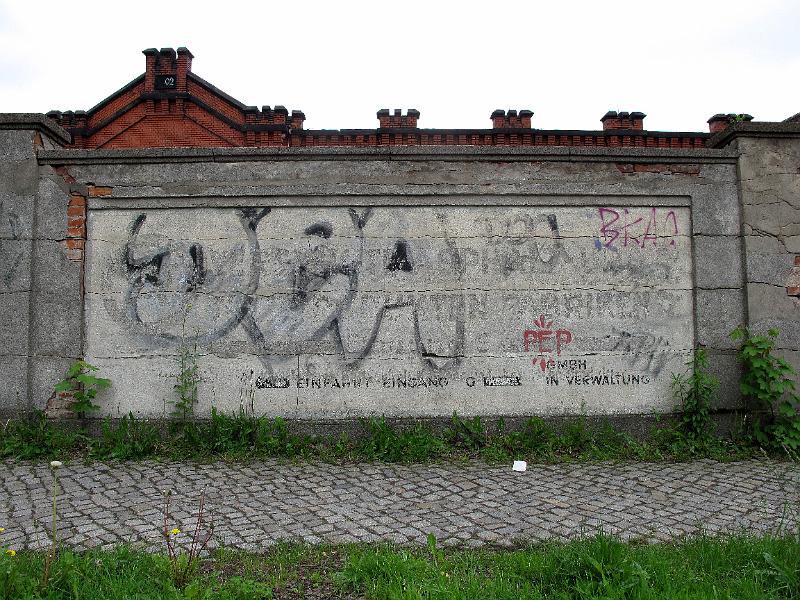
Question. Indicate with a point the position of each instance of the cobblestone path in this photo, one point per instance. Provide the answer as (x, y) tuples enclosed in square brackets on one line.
[(470, 504)]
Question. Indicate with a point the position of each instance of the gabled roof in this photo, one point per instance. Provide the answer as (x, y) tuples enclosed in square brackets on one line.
[(169, 106)]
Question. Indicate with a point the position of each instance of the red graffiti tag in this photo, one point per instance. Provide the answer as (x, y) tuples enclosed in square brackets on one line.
[(545, 341)]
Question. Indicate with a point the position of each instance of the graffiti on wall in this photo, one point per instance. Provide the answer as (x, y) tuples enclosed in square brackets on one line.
[(318, 286), (645, 351), (624, 228), (285, 283), (546, 341)]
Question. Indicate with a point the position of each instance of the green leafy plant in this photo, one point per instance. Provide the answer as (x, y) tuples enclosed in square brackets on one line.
[(390, 444), (83, 386), (695, 392), (767, 381), (436, 553), (126, 439), (187, 381), (467, 434), (35, 437)]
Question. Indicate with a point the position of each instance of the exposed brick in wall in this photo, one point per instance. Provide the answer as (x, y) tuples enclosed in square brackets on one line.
[(75, 241), (793, 282), (169, 106)]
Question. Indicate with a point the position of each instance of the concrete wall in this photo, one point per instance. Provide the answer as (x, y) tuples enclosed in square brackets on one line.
[(408, 281), (769, 168), (40, 287)]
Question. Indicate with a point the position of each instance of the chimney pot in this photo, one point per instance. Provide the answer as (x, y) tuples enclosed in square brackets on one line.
[(623, 120), (718, 122), (511, 119), (297, 119), (396, 119)]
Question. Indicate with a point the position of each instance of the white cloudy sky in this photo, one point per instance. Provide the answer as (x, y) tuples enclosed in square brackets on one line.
[(340, 61)]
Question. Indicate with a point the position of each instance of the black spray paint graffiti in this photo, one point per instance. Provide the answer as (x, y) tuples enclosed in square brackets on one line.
[(324, 300), (163, 277), (10, 250), (645, 351)]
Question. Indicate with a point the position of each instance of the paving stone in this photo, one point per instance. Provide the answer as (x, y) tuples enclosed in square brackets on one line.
[(470, 504)]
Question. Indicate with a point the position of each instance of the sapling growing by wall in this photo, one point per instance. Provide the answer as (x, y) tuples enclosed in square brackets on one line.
[(767, 380), (83, 386)]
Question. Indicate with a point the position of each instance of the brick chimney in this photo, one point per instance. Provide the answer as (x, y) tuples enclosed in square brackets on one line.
[(511, 119), (166, 69), (397, 120), (719, 121), (297, 119), (623, 120)]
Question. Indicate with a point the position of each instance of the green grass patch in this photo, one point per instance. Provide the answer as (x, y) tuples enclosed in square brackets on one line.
[(244, 437), (597, 567)]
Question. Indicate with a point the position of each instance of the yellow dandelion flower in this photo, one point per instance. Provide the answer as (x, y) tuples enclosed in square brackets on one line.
[(11, 552), (175, 531), (2, 529)]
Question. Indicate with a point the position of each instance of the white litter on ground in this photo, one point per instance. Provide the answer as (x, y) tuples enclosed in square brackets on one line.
[(520, 465)]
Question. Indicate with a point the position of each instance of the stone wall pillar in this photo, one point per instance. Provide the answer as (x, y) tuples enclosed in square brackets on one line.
[(769, 188), (41, 295)]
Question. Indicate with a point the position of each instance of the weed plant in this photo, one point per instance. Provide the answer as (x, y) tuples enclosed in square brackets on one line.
[(694, 393), (767, 382), (83, 385), (600, 567), (243, 436), (595, 567)]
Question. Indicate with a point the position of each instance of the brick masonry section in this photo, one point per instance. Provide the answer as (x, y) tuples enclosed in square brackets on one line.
[(169, 106), (258, 504), (75, 242)]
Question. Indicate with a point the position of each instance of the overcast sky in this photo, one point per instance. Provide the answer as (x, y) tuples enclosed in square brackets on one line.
[(340, 61)]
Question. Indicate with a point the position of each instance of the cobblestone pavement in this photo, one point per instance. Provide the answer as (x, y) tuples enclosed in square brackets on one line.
[(470, 504)]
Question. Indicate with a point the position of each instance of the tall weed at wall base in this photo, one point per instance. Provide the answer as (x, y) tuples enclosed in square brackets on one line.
[(694, 393)]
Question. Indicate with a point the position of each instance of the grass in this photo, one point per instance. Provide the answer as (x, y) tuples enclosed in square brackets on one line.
[(596, 567), (240, 437)]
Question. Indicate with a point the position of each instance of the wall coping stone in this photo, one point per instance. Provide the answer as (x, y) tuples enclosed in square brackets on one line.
[(762, 129), (388, 153), (36, 122)]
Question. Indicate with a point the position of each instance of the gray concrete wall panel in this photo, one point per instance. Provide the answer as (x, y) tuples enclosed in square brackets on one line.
[(18, 179), (336, 312), (770, 192)]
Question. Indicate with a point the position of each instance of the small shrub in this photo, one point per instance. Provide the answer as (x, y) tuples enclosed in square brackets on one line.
[(83, 386), (767, 381)]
